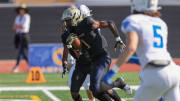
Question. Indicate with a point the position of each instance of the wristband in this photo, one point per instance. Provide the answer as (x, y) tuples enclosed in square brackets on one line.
[(118, 38)]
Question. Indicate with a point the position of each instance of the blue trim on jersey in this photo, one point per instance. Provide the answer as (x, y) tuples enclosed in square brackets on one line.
[(134, 59), (125, 24)]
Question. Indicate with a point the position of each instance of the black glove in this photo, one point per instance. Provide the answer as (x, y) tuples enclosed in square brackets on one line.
[(119, 45), (70, 39), (64, 70)]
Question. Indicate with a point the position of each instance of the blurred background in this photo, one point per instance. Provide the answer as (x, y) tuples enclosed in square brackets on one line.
[(46, 49)]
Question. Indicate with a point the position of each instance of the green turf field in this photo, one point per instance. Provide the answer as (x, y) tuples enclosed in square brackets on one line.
[(53, 80)]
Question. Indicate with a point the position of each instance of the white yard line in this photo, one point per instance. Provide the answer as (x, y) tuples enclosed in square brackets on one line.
[(135, 87), (85, 99), (50, 95), (46, 90), (123, 99), (127, 99)]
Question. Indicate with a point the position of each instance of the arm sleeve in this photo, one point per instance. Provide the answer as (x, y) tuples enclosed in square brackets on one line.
[(90, 21), (129, 25), (63, 38)]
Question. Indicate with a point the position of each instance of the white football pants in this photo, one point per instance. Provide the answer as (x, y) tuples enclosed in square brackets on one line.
[(159, 82)]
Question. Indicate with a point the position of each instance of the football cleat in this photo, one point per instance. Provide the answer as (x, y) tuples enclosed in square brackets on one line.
[(128, 89)]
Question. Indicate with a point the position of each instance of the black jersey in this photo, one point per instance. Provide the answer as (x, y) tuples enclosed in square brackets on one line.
[(84, 58), (89, 37), (92, 37)]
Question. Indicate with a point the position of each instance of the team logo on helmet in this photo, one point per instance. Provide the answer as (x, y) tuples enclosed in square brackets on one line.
[(72, 14)]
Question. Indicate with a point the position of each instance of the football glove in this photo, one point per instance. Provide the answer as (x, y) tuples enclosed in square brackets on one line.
[(70, 39), (119, 45), (64, 69)]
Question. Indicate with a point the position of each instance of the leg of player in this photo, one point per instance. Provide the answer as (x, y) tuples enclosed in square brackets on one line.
[(113, 71), (118, 83), (25, 54), (25, 44), (113, 94), (152, 75), (86, 87), (99, 88), (135, 60), (20, 50), (70, 75), (90, 95), (76, 82), (99, 68)]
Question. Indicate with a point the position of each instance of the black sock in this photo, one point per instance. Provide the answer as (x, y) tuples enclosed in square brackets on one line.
[(114, 96), (78, 98)]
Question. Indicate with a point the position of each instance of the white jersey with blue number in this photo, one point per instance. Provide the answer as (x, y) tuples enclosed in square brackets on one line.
[(152, 32)]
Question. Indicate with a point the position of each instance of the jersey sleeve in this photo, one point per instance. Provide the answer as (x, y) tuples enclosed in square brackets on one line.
[(130, 25), (90, 21), (64, 37)]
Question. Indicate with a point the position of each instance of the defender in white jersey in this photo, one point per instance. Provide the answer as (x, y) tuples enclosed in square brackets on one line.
[(147, 36)]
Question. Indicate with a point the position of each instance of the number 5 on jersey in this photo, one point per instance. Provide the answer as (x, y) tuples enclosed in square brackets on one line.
[(157, 43)]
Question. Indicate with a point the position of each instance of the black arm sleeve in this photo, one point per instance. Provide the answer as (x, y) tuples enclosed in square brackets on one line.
[(64, 37), (90, 21)]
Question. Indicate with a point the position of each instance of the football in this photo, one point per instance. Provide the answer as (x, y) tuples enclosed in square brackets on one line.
[(76, 44)]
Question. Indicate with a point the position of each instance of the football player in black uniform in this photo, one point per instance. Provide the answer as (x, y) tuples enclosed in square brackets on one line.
[(93, 52), (87, 79)]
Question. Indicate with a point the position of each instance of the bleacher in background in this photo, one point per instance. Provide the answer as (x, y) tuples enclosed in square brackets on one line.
[(45, 26), (40, 1), (4, 1), (33, 1), (59, 1)]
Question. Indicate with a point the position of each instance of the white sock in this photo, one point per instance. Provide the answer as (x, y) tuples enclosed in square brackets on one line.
[(93, 100)]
